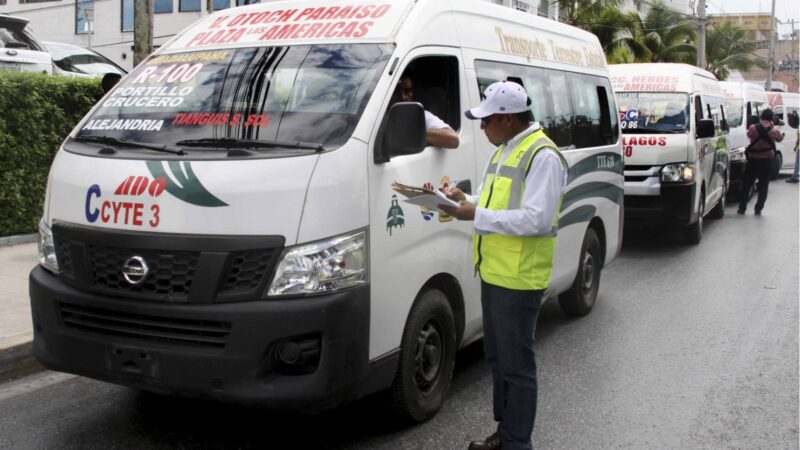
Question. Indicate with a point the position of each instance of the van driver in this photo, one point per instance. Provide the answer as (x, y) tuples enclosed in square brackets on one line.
[(438, 133)]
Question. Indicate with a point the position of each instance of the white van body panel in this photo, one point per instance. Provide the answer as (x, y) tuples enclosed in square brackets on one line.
[(260, 197)]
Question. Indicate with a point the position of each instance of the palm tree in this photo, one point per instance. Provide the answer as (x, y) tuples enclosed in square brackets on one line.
[(726, 50), (662, 35)]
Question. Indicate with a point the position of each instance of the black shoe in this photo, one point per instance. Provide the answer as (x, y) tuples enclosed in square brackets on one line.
[(490, 443), (758, 212), (793, 180), (740, 211)]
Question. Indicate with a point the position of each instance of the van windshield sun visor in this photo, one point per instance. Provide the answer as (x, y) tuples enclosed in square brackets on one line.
[(295, 97)]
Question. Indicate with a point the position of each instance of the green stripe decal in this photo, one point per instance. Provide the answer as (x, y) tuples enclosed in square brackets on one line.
[(593, 189), (606, 161), (580, 214), (189, 188)]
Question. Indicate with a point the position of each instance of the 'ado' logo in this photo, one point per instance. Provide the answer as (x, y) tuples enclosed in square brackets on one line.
[(126, 212)]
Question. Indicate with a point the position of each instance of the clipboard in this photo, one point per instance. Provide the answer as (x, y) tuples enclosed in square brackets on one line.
[(424, 198)]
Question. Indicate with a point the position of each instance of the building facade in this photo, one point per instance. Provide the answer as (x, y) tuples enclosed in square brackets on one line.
[(757, 30)]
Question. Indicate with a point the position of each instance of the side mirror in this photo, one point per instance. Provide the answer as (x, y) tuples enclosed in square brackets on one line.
[(403, 133), (705, 128), (752, 120), (794, 120)]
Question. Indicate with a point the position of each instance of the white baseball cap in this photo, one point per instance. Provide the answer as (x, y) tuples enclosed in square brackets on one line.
[(502, 97)]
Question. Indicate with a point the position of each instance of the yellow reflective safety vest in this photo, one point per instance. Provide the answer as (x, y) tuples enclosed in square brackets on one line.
[(514, 262)]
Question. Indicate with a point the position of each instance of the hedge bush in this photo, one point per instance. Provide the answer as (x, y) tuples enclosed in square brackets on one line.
[(37, 112)]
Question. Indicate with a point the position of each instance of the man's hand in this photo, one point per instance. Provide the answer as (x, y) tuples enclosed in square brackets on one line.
[(454, 194), (465, 211)]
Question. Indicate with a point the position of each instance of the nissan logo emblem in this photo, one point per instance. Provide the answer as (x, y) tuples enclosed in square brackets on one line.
[(135, 270)]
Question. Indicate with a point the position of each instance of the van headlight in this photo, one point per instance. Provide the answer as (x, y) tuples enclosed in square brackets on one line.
[(677, 172), (47, 250), (321, 267)]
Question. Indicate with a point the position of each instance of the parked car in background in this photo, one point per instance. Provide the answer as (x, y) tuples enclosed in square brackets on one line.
[(74, 61), (20, 51)]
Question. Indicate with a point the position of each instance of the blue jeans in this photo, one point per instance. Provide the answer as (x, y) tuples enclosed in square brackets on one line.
[(509, 324)]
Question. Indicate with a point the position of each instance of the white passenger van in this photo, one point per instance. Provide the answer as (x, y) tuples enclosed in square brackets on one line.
[(744, 101), (675, 145), (222, 224), (784, 105)]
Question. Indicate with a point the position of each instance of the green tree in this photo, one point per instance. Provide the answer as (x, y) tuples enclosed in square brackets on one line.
[(726, 50), (662, 35)]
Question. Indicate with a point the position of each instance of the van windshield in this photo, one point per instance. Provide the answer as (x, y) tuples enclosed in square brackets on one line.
[(312, 93), (653, 112)]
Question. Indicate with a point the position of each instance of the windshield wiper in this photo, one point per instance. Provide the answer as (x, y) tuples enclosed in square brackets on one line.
[(126, 143), (249, 143)]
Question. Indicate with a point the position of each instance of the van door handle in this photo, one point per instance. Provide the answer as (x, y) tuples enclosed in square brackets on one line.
[(465, 186)]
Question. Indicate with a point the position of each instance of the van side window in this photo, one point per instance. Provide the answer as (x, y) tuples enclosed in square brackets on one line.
[(435, 85), (560, 128), (588, 116)]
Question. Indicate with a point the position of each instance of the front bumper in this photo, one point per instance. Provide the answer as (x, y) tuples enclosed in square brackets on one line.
[(674, 207), (223, 351), (737, 169)]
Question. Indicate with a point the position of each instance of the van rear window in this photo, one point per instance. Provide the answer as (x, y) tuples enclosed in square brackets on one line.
[(312, 93)]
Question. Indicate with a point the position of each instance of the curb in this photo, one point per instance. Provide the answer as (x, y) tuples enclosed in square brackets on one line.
[(16, 357), (8, 241)]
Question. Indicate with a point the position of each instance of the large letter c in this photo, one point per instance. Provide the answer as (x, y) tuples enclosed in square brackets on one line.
[(91, 216)]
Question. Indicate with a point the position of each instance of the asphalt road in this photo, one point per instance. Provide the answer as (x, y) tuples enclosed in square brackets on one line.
[(687, 347)]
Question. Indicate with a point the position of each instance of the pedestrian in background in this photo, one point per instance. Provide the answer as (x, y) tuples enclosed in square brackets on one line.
[(515, 219), (760, 159)]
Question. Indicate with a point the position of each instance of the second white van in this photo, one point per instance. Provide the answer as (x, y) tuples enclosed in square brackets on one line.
[(674, 140)]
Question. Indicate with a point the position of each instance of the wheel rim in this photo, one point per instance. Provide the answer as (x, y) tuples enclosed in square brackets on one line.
[(588, 273), (428, 356)]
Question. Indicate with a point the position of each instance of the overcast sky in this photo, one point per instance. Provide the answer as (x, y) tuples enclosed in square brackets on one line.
[(784, 9)]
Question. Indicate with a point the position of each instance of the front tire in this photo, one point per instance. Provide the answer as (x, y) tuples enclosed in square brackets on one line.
[(694, 232), (719, 209), (579, 299), (427, 358)]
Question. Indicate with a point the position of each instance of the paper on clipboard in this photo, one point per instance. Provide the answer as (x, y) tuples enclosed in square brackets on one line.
[(426, 198)]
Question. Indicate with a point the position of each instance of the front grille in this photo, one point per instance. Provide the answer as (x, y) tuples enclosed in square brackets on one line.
[(167, 330), (182, 269), (63, 248), (246, 270), (170, 275), (636, 178)]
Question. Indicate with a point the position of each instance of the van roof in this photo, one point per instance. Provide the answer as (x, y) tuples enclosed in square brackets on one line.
[(466, 23)]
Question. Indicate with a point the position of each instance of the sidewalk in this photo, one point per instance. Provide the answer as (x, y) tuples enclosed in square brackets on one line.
[(16, 327)]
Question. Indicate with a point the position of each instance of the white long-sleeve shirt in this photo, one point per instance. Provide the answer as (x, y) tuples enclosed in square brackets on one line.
[(544, 185)]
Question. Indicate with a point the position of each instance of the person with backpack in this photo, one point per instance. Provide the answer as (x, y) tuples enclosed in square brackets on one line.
[(760, 154)]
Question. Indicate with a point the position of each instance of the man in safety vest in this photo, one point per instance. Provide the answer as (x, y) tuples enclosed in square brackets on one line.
[(515, 218)]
